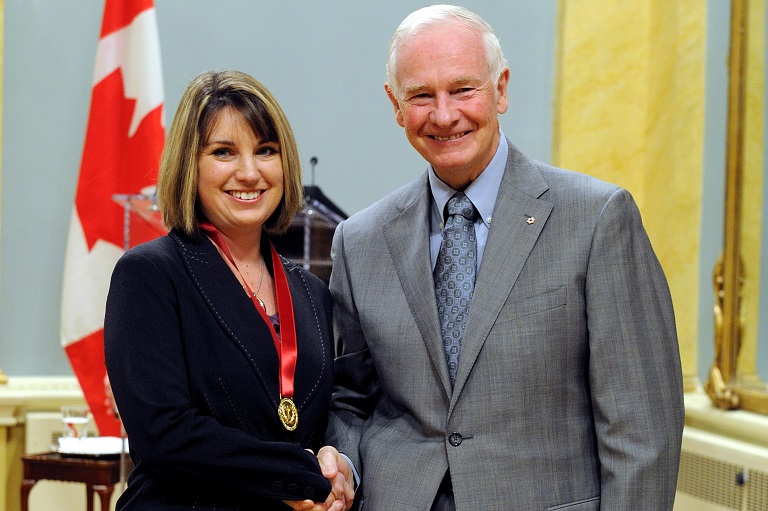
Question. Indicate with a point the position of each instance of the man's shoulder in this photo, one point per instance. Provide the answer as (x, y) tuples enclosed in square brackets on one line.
[(542, 179), (570, 182)]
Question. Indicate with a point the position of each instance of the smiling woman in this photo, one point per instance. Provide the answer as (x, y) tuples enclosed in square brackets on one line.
[(240, 176), (204, 101), (219, 350)]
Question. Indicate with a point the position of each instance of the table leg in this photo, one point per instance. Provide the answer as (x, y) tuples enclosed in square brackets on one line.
[(26, 487), (88, 497), (105, 493)]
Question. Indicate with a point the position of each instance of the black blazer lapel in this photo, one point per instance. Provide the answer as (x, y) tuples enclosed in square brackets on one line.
[(233, 310), (314, 337)]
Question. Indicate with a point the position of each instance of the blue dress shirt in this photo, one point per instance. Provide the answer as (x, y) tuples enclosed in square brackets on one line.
[(482, 192)]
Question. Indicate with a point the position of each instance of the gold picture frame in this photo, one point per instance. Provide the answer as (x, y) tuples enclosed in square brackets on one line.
[(727, 386)]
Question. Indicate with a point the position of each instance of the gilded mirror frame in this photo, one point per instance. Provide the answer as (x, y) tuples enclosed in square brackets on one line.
[(726, 386)]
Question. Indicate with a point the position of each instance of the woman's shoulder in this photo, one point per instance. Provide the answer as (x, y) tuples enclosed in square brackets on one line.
[(152, 249), (314, 284), (162, 251), (174, 240)]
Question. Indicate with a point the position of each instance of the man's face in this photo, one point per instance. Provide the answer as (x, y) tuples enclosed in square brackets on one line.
[(447, 101)]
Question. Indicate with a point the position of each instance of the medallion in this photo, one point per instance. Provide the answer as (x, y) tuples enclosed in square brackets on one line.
[(288, 413), (287, 348)]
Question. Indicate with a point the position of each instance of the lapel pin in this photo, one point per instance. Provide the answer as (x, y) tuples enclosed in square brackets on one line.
[(530, 220)]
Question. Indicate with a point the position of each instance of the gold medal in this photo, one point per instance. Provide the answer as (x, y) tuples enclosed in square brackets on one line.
[(287, 349), (288, 413)]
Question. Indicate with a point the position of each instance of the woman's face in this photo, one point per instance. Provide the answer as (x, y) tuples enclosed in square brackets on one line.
[(240, 182)]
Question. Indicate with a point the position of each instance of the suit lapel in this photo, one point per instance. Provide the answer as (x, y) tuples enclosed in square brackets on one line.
[(407, 238), (235, 312), (518, 218)]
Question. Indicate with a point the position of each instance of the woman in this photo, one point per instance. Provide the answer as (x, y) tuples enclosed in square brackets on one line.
[(218, 350)]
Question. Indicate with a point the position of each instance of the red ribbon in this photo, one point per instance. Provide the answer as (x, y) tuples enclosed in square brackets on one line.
[(286, 345), (287, 348)]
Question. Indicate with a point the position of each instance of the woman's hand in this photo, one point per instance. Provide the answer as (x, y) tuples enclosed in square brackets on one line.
[(336, 469)]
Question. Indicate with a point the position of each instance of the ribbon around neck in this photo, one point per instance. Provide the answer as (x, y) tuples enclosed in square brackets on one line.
[(286, 345)]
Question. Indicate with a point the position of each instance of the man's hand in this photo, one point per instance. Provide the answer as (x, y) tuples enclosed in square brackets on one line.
[(336, 469)]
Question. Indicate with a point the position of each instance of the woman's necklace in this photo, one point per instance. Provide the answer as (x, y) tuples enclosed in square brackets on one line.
[(287, 348), (258, 286)]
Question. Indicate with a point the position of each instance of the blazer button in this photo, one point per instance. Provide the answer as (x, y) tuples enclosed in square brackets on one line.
[(455, 439), (277, 486), (309, 492), (293, 489)]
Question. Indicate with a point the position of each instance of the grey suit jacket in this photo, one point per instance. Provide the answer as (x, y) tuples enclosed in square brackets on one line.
[(568, 394)]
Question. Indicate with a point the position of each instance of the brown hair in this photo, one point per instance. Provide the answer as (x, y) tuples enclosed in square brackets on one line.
[(205, 97)]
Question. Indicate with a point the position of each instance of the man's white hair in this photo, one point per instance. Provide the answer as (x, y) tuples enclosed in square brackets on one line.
[(441, 14)]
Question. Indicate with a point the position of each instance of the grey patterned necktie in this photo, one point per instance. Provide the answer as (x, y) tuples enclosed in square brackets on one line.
[(455, 275)]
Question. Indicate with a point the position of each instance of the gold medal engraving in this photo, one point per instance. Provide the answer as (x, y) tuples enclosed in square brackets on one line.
[(288, 413)]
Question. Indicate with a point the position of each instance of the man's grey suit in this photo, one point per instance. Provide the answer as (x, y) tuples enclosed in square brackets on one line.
[(568, 394)]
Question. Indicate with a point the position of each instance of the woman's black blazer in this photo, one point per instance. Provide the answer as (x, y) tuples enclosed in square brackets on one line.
[(194, 372)]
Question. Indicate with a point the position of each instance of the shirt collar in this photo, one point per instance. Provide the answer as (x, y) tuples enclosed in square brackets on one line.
[(482, 191)]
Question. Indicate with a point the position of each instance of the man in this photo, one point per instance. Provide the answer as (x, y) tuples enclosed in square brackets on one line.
[(560, 386)]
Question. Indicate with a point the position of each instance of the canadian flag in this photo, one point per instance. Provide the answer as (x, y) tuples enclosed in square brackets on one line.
[(123, 144)]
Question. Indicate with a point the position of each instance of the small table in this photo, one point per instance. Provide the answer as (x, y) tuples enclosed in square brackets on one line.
[(99, 475)]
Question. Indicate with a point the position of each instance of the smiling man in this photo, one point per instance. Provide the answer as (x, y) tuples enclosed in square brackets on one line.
[(448, 101), (506, 334)]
